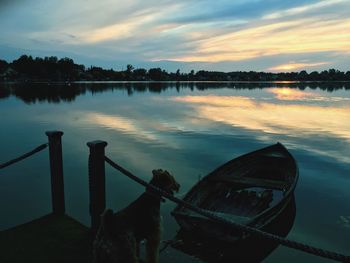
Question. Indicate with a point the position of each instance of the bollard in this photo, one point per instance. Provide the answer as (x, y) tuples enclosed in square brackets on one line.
[(56, 169), (97, 182)]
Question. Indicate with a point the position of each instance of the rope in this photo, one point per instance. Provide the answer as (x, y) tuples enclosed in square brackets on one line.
[(167, 243), (24, 156), (283, 241)]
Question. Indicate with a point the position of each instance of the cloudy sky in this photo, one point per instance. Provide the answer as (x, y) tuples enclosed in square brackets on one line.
[(226, 35)]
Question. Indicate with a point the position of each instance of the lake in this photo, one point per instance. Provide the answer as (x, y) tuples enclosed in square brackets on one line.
[(188, 129)]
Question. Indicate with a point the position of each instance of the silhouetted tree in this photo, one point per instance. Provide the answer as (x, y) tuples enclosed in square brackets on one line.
[(24, 66), (303, 75), (155, 74), (347, 75), (140, 74), (3, 66), (178, 75), (64, 69), (129, 72)]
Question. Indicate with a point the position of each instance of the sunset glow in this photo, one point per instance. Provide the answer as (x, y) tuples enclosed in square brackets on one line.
[(296, 66), (290, 37), (290, 94), (243, 35), (271, 117), (253, 95)]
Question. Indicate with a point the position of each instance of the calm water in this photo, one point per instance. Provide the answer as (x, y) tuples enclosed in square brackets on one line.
[(188, 129)]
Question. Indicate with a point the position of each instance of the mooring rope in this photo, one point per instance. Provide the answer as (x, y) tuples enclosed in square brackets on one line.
[(24, 156), (167, 243), (251, 230)]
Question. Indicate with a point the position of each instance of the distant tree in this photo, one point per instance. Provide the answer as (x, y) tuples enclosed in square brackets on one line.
[(140, 74), (347, 75), (165, 75), (129, 68), (3, 65), (334, 74), (155, 74), (69, 70), (129, 72), (97, 73), (52, 68), (66, 67), (191, 75), (303, 75), (24, 66), (314, 75), (324, 75), (178, 75)]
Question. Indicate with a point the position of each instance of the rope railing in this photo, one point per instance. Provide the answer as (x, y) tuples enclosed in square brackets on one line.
[(283, 241), (24, 156), (56, 168)]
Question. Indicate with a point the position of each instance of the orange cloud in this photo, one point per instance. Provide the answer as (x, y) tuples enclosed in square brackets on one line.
[(286, 37), (302, 9), (295, 66)]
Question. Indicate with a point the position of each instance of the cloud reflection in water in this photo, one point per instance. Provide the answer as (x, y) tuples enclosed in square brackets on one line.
[(271, 117), (303, 122)]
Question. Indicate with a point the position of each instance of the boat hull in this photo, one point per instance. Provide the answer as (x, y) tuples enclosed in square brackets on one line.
[(284, 183)]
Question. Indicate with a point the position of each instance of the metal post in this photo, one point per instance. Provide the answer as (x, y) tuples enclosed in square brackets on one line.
[(56, 169), (97, 182)]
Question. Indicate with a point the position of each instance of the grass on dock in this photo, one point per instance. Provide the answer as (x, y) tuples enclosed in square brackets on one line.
[(47, 239)]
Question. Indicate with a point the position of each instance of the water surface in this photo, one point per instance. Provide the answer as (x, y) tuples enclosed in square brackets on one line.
[(188, 129)]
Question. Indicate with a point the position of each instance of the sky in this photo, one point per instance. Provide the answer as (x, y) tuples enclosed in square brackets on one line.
[(224, 35)]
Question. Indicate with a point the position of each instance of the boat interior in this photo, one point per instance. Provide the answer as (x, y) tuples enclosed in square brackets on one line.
[(245, 187), (238, 200)]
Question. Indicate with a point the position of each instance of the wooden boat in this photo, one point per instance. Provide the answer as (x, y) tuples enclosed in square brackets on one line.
[(211, 250), (252, 190)]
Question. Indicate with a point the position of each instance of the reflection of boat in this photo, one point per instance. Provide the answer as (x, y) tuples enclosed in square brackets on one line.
[(251, 249), (251, 190)]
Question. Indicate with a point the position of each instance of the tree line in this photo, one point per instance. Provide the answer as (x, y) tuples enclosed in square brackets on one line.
[(27, 68)]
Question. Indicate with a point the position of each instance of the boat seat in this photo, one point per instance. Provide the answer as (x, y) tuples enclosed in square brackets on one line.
[(243, 203), (264, 183)]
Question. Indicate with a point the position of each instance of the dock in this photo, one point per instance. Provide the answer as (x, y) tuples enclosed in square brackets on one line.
[(55, 237), (51, 238)]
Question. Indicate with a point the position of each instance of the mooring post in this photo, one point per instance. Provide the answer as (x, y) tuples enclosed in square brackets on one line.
[(56, 169), (97, 182)]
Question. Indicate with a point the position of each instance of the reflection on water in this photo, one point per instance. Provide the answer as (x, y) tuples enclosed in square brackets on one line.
[(188, 129), (290, 94), (67, 92), (251, 249), (118, 123), (271, 117)]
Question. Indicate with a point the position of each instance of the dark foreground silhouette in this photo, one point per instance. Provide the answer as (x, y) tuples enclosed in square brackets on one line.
[(252, 249), (119, 235)]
